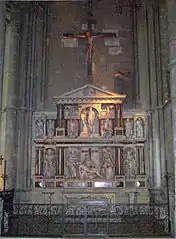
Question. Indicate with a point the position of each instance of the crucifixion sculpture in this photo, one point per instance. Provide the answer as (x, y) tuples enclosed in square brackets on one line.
[(89, 36)]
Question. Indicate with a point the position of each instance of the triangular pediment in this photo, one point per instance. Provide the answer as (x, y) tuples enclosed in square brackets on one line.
[(89, 91)]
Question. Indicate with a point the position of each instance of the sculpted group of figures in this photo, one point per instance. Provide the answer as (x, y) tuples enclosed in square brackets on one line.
[(44, 128), (134, 129), (90, 123), (86, 168)]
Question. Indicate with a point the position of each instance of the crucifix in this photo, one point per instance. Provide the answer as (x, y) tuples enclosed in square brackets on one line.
[(89, 36)]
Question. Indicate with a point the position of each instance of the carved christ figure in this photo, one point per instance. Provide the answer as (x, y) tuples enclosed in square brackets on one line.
[(89, 36), (91, 121)]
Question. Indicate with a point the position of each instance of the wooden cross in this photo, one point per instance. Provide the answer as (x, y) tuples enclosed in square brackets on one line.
[(89, 36)]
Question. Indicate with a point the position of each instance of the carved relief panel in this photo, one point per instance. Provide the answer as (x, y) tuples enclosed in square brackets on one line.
[(90, 163)]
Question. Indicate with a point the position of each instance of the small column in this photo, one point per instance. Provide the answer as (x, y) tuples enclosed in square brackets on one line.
[(116, 162), (120, 115), (116, 115), (59, 116), (99, 121), (79, 127), (62, 162)]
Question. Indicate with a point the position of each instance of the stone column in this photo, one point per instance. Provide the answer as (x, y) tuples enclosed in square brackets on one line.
[(10, 91), (172, 66)]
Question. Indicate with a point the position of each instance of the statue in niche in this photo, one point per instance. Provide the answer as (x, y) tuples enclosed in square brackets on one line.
[(87, 169), (39, 129), (72, 128), (107, 168), (107, 130), (130, 164), (88, 118), (49, 164), (72, 163), (84, 123), (128, 128), (91, 121), (50, 128), (139, 128)]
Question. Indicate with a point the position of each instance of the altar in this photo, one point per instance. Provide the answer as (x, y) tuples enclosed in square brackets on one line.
[(89, 149)]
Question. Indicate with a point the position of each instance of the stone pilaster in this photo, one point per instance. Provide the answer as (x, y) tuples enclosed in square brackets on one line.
[(10, 91), (33, 52)]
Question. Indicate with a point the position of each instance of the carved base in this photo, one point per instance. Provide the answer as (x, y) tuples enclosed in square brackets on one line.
[(60, 132), (119, 131)]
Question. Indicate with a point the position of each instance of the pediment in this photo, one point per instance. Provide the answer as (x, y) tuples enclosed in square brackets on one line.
[(90, 91)]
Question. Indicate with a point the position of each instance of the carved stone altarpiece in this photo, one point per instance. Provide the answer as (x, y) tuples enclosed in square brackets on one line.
[(89, 143)]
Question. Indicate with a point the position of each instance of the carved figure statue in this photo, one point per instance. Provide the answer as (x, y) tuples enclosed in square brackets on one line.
[(39, 129), (87, 169), (107, 128), (139, 128), (84, 122), (128, 128), (88, 121), (130, 165), (72, 128), (108, 164), (72, 164), (49, 166), (91, 121), (50, 128)]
